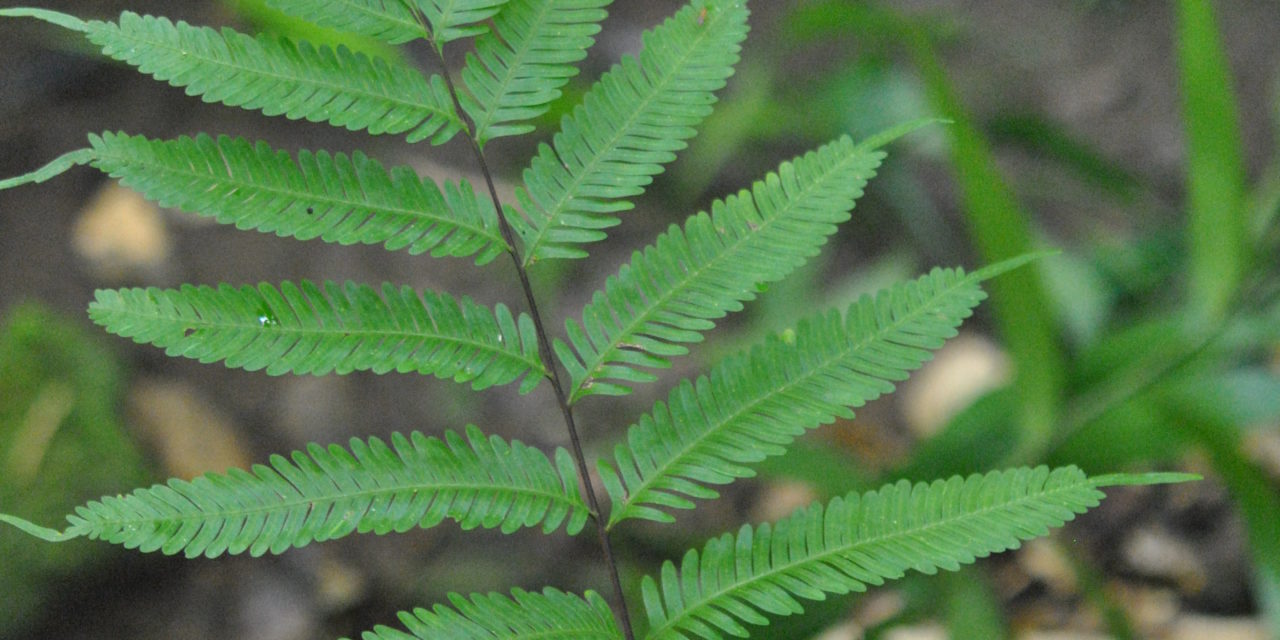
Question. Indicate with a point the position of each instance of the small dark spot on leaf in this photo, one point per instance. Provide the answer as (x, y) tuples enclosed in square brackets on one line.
[(311, 210), (188, 332)]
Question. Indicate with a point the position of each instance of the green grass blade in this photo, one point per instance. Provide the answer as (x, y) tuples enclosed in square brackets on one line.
[(1047, 139), (1001, 230), (1218, 228), (971, 606)]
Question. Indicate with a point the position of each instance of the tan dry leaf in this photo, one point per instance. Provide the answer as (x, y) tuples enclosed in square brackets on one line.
[(966, 367), (191, 436), (120, 234)]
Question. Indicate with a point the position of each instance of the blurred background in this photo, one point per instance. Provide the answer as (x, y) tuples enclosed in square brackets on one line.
[(1138, 137)]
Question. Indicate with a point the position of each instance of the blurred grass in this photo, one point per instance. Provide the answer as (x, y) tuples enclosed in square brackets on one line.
[(971, 607), (1216, 229), (998, 226), (1115, 368), (1048, 140), (1000, 230), (61, 444)]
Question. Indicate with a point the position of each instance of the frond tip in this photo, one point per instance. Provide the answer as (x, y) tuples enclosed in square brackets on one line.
[(550, 614), (862, 540), (306, 329), (328, 493), (627, 128), (518, 68)]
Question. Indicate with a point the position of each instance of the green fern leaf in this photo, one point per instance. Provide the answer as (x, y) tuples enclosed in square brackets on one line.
[(280, 77), (754, 404), (303, 329), (550, 614), (391, 21), (519, 67), (455, 19), (397, 21), (670, 293), (325, 494), (629, 125), (336, 198), (858, 541)]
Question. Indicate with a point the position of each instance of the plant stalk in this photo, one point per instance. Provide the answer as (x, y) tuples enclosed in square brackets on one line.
[(553, 373)]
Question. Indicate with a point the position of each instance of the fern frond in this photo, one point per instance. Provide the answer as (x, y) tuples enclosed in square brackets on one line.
[(629, 125), (391, 21), (858, 541), (518, 68), (281, 77), (671, 292), (303, 329), (550, 614), (752, 405), (336, 198), (327, 493)]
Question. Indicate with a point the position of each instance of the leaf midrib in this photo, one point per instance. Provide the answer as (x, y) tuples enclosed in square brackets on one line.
[(636, 496), (820, 558), (639, 320), (589, 168)]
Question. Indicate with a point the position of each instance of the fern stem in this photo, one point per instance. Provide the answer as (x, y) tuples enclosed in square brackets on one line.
[(553, 375), (544, 351)]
